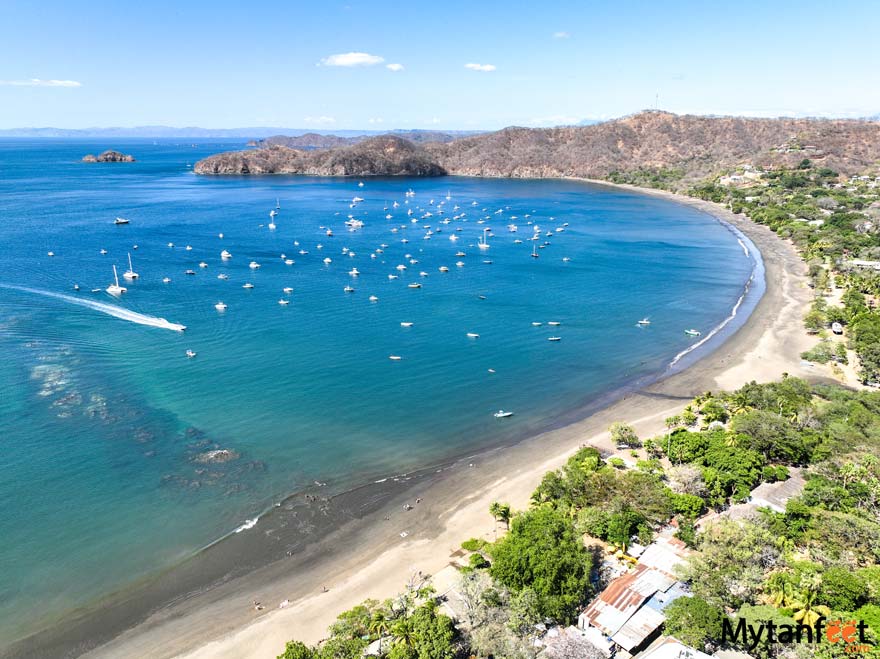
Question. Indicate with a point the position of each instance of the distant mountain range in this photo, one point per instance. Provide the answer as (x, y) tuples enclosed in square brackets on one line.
[(692, 147), (252, 133)]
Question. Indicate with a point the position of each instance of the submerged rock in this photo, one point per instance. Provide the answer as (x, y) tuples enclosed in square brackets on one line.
[(217, 456)]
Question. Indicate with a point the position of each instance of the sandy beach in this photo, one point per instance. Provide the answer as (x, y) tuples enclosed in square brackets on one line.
[(373, 556)]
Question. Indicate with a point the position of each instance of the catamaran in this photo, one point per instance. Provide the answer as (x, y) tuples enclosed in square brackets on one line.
[(115, 288), (130, 274)]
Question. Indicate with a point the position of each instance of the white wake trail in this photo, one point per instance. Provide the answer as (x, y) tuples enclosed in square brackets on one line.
[(109, 309)]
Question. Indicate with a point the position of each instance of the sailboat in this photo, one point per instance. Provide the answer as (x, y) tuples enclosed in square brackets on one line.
[(115, 288), (130, 274), (483, 243), (534, 249)]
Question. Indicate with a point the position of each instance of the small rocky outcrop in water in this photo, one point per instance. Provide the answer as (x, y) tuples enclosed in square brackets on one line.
[(109, 156), (385, 155), (217, 456)]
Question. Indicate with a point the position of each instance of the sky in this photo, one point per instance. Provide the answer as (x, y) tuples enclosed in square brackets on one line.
[(454, 65)]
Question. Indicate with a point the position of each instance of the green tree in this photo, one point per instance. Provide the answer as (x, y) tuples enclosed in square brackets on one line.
[(543, 552), (694, 622), (297, 650), (500, 511), (624, 435), (425, 634), (842, 590)]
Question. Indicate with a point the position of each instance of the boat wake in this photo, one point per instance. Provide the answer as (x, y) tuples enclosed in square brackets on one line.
[(109, 309)]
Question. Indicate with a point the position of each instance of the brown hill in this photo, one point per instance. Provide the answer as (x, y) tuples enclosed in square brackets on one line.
[(385, 155), (694, 146), (699, 146), (318, 141)]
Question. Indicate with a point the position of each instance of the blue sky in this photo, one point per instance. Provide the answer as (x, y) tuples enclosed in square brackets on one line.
[(326, 64)]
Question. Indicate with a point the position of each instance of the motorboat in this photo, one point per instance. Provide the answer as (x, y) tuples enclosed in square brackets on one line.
[(253, 265), (120, 220), (406, 324), (247, 285), (644, 321), (501, 414), (190, 353), (473, 335), (692, 332), (225, 255), (348, 289), (554, 338), (220, 306)]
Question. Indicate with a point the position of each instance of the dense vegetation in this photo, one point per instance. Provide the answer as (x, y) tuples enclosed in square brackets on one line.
[(820, 557)]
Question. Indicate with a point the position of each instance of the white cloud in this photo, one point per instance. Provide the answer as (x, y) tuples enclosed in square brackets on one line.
[(480, 67), (561, 35), (320, 120), (351, 59), (375, 120), (394, 67), (37, 82), (553, 120)]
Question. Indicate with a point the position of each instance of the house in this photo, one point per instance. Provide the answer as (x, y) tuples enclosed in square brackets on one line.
[(671, 648), (571, 641), (629, 611)]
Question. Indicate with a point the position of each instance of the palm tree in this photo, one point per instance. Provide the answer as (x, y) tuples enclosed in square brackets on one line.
[(778, 590), (806, 611)]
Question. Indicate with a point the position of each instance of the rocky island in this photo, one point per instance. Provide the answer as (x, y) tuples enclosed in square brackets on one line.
[(109, 156), (385, 155)]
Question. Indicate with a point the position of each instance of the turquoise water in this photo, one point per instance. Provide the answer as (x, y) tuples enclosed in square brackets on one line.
[(104, 423)]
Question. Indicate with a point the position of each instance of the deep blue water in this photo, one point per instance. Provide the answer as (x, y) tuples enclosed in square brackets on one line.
[(103, 421)]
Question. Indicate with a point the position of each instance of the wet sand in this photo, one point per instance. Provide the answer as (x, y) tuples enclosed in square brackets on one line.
[(291, 556)]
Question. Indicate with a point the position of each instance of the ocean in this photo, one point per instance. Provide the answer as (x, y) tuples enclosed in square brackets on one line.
[(120, 455)]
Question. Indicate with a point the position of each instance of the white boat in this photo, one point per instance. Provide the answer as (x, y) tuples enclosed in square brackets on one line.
[(76, 287), (473, 335), (554, 323), (501, 414), (415, 285), (287, 289), (692, 332), (253, 265), (483, 243), (190, 353), (225, 255), (554, 338), (202, 264), (373, 298), (536, 324), (460, 254), (130, 274), (644, 321), (103, 251), (406, 324), (565, 259), (283, 302), (392, 276), (166, 280), (115, 288), (395, 358), (171, 244), (534, 250), (459, 264), (348, 289), (328, 261), (120, 220), (247, 285), (220, 306), (190, 272), (443, 268), (354, 272), (188, 248), (223, 276), (423, 274)]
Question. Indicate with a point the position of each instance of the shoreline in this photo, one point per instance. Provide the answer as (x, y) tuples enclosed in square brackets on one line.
[(367, 557)]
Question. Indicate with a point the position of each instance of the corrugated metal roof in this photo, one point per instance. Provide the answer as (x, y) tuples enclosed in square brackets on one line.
[(664, 554), (623, 597), (641, 625)]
